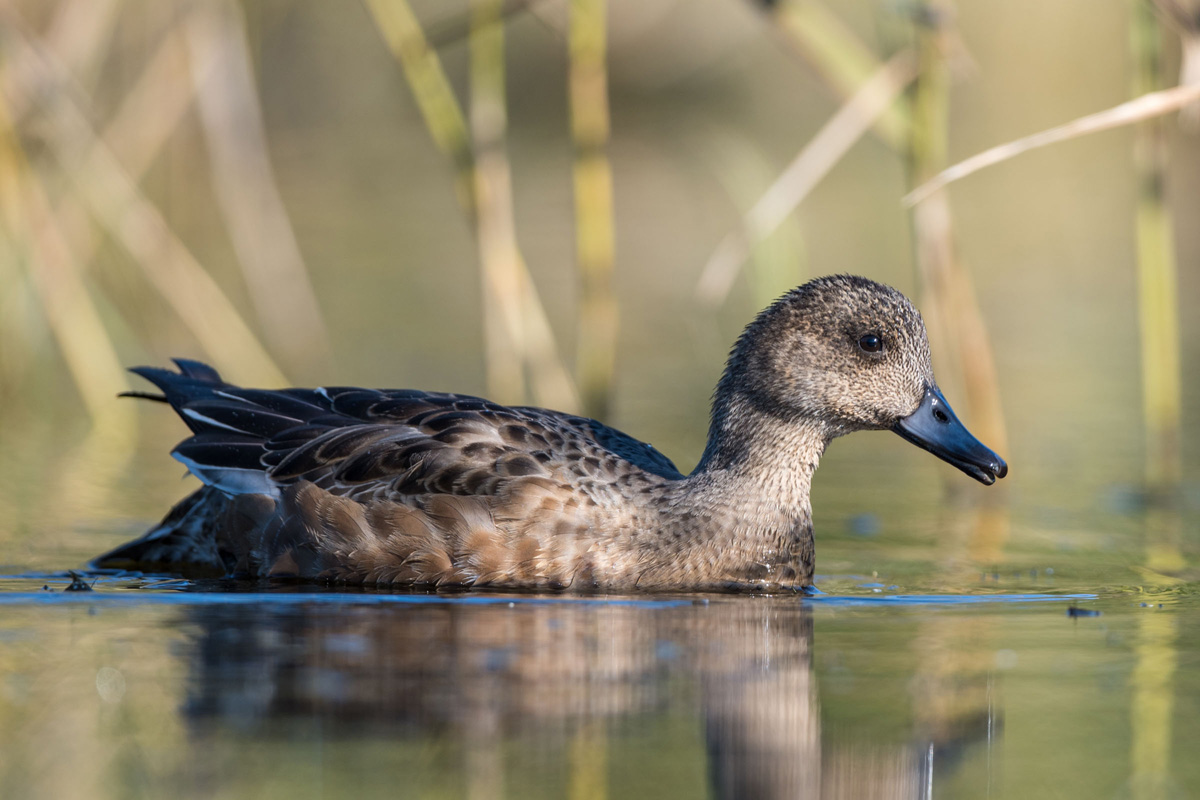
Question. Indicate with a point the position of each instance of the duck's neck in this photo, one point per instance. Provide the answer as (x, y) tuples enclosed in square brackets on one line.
[(748, 498)]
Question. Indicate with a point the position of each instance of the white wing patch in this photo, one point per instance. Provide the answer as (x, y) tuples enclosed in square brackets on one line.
[(231, 480)]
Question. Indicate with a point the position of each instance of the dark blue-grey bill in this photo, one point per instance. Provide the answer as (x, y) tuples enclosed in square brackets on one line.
[(934, 427)]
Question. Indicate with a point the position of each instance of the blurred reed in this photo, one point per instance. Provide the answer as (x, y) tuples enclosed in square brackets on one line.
[(39, 246), (430, 88), (843, 60), (1184, 18), (1156, 265), (588, 761), (951, 310), (815, 159), (1143, 107), (1158, 290), (872, 99), (1153, 705), (509, 291), (496, 238), (594, 236), (95, 180), (778, 262), (250, 204), (917, 128)]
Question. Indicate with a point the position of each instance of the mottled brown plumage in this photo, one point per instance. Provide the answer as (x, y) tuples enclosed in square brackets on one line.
[(401, 487)]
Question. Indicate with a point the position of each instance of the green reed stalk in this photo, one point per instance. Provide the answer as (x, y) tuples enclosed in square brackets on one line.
[(842, 60), (594, 236), (1158, 292), (952, 310), (524, 317), (495, 233), (430, 87)]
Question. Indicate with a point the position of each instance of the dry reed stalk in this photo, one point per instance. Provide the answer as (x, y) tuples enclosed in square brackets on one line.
[(812, 164), (427, 80), (1147, 106), (118, 204), (1158, 291), (551, 383), (69, 310), (81, 32), (594, 235), (430, 88), (143, 123), (778, 262), (18, 317), (79, 35), (951, 308), (842, 60), (245, 187), (453, 28), (495, 228)]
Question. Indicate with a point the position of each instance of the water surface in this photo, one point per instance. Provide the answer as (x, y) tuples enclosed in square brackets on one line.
[(146, 687)]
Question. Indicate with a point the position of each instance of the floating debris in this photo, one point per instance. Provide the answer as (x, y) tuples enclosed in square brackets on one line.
[(78, 584), (1075, 611)]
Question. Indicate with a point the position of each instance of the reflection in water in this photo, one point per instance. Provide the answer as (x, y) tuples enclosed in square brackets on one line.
[(1153, 676), (567, 680)]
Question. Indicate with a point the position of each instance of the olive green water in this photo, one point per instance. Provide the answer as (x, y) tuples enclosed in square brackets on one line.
[(956, 649), (943, 657)]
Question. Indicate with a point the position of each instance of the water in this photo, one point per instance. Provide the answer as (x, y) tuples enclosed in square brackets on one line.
[(146, 687), (1033, 639)]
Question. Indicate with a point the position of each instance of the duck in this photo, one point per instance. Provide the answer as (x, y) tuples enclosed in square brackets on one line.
[(399, 488)]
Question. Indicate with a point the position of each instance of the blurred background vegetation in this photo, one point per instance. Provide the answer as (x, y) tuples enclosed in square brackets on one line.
[(578, 203)]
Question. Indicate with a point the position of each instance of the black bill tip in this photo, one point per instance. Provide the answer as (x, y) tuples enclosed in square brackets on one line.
[(934, 427)]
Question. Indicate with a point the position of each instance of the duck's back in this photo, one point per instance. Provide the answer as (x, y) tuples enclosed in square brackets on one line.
[(393, 486)]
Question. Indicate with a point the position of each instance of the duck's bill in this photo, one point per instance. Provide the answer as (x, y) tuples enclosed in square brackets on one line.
[(934, 427)]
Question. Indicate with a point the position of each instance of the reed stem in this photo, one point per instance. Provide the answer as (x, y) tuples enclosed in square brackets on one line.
[(69, 309), (494, 225), (246, 191), (1158, 292), (951, 309), (842, 60), (524, 317), (594, 235)]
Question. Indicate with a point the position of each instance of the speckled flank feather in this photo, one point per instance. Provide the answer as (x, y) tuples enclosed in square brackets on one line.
[(401, 487)]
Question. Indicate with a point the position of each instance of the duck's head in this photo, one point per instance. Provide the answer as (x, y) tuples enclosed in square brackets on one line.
[(846, 353)]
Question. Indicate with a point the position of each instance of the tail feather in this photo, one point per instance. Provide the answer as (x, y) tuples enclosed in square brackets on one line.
[(231, 426), (179, 388), (198, 370)]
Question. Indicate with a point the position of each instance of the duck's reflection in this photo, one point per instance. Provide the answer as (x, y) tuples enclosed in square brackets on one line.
[(574, 677)]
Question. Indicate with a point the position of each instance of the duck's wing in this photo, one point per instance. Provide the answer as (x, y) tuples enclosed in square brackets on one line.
[(399, 442)]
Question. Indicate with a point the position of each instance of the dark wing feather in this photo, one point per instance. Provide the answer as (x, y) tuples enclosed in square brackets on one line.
[(197, 370), (402, 442), (236, 415), (222, 449), (632, 450)]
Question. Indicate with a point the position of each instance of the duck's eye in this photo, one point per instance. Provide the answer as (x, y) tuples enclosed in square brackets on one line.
[(871, 343)]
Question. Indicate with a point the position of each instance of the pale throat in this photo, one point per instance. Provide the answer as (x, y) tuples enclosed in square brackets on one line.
[(757, 473)]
